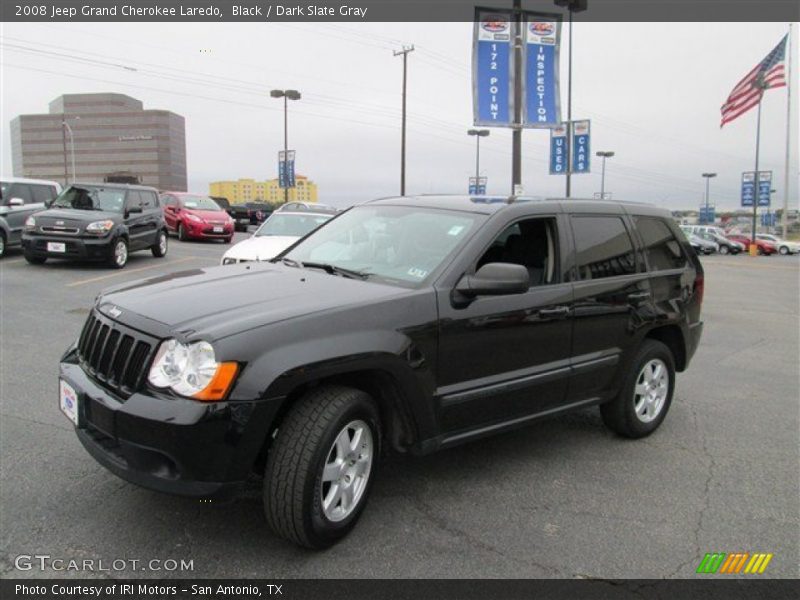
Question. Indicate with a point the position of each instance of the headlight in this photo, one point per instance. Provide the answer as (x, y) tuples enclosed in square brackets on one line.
[(30, 224), (192, 370), (100, 227), (194, 218)]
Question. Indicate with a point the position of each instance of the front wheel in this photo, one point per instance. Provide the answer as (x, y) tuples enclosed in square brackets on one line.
[(2, 244), (759, 251), (119, 254), (723, 249), (321, 466), (182, 233), (784, 250), (646, 394), (159, 249)]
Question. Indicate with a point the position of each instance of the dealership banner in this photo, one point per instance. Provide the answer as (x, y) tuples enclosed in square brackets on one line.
[(764, 187), (286, 169), (492, 69), (558, 149), (542, 103), (581, 147)]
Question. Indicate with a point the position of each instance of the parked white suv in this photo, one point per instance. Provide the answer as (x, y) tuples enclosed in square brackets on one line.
[(19, 199)]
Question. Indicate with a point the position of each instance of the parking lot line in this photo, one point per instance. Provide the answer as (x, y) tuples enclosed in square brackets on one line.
[(125, 271)]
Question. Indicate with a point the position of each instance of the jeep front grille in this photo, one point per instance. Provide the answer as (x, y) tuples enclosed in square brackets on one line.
[(115, 356)]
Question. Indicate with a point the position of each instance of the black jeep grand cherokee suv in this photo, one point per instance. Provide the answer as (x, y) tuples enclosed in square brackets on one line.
[(97, 221), (409, 323)]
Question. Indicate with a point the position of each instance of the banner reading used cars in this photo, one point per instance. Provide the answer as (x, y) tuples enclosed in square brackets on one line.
[(558, 149), (286, 169), (542, 104), (492, 69), (581, 147)]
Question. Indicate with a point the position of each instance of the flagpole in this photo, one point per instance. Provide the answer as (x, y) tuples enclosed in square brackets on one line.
[(785, 216), (753, 250)]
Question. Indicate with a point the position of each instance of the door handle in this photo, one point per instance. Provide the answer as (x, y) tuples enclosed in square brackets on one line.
[(639, 296), (558, 311)]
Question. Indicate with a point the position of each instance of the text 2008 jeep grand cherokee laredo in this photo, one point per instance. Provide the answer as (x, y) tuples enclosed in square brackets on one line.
[(411, 324)]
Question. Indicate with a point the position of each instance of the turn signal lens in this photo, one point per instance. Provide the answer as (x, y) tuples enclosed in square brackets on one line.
[(220, 383)]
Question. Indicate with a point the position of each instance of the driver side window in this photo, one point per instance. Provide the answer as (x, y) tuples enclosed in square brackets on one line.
[(530, 243)]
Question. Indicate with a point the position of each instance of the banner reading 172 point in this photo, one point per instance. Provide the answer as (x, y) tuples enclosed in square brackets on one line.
[(542, 105), (492, 69)]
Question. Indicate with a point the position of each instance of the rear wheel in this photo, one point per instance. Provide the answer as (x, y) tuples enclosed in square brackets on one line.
[(646, 394), (2, 244), (159, 249), (784, 250), (181, 232), (321, 466), (723, 249), (119, 254), (760, 250)]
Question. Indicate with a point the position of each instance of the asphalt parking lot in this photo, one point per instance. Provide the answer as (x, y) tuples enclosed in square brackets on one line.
[(563, 498)]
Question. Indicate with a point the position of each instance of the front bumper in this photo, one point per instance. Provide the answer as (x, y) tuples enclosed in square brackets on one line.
[(81, 248), (168, 444), (204, 231)]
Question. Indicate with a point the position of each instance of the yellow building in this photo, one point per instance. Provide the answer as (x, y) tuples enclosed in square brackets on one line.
[(250, 190)]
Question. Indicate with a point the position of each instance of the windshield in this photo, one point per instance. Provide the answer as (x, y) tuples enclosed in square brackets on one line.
[(293, 225), (397, 244), (199, 203), (91, 198)]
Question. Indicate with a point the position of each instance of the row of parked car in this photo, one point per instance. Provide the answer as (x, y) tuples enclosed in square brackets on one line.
[(107, 221), (708, 239)]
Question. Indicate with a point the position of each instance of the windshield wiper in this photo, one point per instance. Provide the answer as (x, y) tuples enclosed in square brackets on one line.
[(290, 262), (334, 270)]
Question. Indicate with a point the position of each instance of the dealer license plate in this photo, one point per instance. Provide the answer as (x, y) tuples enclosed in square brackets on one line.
[(56, 247), (68, 401)]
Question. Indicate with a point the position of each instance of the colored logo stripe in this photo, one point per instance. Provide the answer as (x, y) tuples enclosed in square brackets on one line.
[(733, 563)]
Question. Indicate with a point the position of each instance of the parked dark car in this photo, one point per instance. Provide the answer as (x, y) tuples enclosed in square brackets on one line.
[(726, 246), (19, 199), (407, 324), (238, 212), (97, 221), (259, 212)]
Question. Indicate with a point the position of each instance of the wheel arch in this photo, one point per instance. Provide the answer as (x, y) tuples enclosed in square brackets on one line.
[(672, 337)]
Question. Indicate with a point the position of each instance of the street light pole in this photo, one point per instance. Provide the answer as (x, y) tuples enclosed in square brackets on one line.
[(604, 155), (478, 133), (708, 177), (286, 95), (71, 148)]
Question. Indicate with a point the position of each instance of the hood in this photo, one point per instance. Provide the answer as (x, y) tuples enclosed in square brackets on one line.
[(222, 301), (262, 247), (208, 215)]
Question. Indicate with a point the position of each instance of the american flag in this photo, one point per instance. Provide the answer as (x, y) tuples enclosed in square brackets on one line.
[(769, 73)]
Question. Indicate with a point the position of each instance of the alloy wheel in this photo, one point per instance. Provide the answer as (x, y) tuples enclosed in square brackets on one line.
[(121, 253), (347, 470), (651, 390)]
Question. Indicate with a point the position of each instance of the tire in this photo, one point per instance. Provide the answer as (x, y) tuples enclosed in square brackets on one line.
[(159, 249), (620, 414), (33, 259), (119, 254), (295, 484), (182, 233), (2, 244), (723, 249), (783, 250), (227, 240), (759, 251)]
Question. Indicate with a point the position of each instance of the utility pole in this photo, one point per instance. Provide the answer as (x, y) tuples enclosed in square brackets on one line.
[(516, 133), (64, 146), (404, 52), (785, 215), (478, 133)]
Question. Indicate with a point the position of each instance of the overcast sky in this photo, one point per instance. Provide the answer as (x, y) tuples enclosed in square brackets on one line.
[(652, 90)]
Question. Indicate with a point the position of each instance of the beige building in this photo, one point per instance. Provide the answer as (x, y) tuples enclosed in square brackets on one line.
[(113, 136), (250, 190)]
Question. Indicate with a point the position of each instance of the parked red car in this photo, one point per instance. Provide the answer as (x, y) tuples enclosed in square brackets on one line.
[(192, 216), (763, 247)]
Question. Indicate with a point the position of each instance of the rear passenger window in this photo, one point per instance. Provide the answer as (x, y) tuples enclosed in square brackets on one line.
[(42, 193), (21, 191), (604, 247), (661, 248)]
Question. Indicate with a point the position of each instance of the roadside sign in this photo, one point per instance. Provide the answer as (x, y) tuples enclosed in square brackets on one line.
[(558, 149), (749, 193), (581, 146), (492, 68), (542, 105), (286, 177), (764, 187), (477, 186), (707, 215), (748, 188)]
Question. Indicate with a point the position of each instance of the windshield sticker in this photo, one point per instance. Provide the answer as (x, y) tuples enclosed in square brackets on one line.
[(418, 273), (455, 230)]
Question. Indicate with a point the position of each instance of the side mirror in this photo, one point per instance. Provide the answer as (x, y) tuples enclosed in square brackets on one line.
[(495, 279), (133, 210), (16, 202)]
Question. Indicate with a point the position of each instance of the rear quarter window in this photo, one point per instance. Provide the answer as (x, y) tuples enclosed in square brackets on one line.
[(662, 250)]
